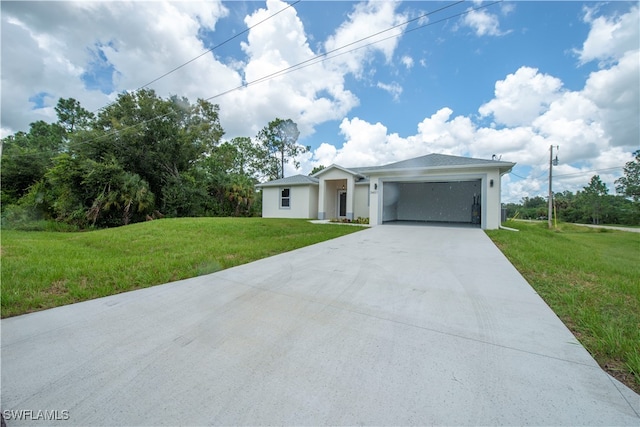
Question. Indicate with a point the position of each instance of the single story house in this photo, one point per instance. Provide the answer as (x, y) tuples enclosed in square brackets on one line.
[(431, 188)]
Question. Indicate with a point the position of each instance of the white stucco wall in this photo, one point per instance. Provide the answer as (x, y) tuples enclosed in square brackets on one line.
[(313, 201), (303, 202), (361, 201), (390, 201), (335, 174), (492, 214), (375, 199)]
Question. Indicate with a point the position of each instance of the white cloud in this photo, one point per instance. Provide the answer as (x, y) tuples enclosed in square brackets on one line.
[(360, 138), (309, 98), (368, 144), (324, 155), (596, 128), (610, 38), (519, 144), (439, 134), (139, 41), (135, 42), (483, 23), (615, 92), (394, 89), (522, 96), (366, 19), (507, 7), (407, 61)]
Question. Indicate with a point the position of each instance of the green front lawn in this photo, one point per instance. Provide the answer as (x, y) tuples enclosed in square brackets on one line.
[(47, 269)]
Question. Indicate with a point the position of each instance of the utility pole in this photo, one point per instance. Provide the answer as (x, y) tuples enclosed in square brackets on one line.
[(552, 162)]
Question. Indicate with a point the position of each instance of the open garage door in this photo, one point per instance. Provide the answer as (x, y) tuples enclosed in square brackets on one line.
[(441, 202)]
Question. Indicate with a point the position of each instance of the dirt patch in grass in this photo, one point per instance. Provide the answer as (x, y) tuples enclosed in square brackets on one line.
[(618, 370), (59, 287)]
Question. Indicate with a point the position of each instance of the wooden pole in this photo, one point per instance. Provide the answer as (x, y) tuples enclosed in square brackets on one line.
[(550, 212)]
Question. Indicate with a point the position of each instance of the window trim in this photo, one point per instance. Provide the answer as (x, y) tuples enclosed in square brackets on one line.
[(282, 198)]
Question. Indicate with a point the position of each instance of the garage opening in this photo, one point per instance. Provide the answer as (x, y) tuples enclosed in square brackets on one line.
[(446, 202)]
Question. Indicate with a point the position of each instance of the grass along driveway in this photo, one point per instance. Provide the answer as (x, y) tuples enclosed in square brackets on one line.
[(42, 270), (591, 279)]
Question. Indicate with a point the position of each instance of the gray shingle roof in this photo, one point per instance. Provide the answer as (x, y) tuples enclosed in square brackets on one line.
[(291, 180), (434, 161), (423, 162)]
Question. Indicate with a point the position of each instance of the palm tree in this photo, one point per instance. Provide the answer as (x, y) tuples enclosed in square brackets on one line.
[(134, 195), (127, 191), (241, 192)]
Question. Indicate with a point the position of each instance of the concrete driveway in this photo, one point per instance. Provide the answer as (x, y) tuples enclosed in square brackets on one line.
[(394, 325)]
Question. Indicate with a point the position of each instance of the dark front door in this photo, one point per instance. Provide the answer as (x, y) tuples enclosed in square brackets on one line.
[(342, 204)]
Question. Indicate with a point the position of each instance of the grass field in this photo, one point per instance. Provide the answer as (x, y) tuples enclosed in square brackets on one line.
[(47, 269), (591, 279)]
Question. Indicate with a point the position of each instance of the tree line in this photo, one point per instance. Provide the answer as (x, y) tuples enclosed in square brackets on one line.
[(144, 157), (139, 158), (591, 205)]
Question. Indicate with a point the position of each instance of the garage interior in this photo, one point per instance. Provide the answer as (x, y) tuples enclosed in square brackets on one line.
[(448, 202)]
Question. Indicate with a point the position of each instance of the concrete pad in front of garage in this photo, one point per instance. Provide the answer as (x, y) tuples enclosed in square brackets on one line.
[(393, 325)]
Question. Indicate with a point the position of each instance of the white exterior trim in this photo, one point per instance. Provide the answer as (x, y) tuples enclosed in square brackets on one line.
[(280, 204)]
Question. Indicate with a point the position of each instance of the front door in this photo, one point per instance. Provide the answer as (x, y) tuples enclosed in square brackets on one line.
[(342, 203)]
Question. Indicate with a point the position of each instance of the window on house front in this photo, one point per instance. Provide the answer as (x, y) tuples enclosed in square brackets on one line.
[(285, 198)]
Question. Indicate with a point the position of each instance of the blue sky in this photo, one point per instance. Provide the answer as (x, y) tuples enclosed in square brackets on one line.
[(508, 79)]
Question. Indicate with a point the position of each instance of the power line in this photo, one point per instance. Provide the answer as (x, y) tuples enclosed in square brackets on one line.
[(534, 163), (207, 51), (322, 57), (326, 55), (219, 45), (588, 172), (308, 62), (516, 175), (529, 180)]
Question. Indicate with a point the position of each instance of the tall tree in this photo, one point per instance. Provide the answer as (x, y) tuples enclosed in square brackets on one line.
[(62, 192), (26, 158), (316, 169), (158, 139), (280, 139), (117, 195), (72, 116), (239, 156), (240, 191), (232, 170), (629, 184), (594, 194)]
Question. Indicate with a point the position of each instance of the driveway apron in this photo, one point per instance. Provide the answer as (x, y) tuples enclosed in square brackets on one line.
[(393, 325)]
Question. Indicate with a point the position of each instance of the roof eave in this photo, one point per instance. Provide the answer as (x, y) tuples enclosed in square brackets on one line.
[(507, 169), (506, 166), (285, 184), (334, 166)]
